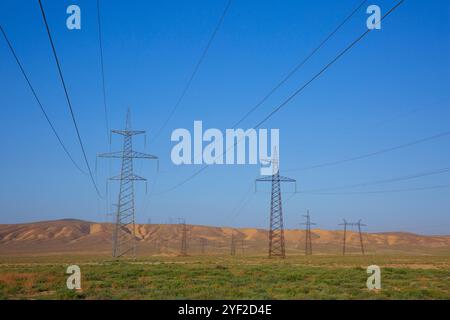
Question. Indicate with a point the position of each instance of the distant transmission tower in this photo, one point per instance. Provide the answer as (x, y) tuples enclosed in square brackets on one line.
[(184, 238), (276, 232), (165, 245), (109, 215), (308, 240), (233, 245), (358, 224), (203, 244), (124, 237), (156, 245)]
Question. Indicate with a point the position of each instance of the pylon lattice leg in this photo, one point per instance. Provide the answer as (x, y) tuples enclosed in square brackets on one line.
[(124, 241), (276, 233), (124, 233)]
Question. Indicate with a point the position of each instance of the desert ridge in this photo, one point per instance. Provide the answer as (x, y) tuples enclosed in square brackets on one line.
[(77, 236)]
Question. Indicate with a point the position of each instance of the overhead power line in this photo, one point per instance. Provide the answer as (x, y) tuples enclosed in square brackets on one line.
[(194, 72), (325, 68), (39, 101), (242, 204), (292, 96), (375, 153), (100, 42), (68, 100), (105, 106), (384, 181), (382, 191), (299, 65)]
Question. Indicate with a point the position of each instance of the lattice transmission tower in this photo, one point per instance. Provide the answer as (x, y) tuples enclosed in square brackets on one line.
[(357, 224), (308, 238), (184, 238), (276, 232), (233, 245), (242, 246), (203, 245), (124, 236)]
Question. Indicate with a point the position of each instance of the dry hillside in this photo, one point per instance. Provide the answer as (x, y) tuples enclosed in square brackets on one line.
[(82, 237)]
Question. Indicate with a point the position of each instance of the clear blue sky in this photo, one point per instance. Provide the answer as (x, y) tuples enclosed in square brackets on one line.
[(390, 89)]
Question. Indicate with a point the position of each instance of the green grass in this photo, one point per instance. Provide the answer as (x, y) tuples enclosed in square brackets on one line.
[(317, 277)]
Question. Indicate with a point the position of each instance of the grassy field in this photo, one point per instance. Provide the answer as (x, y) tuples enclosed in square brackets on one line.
[(215, 277)]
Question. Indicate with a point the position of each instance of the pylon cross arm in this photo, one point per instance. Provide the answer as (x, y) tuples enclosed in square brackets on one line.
[(132, 154), (265, 179), (141, 155), (132, 177), (128, 132), (117, 154), (286, 179)]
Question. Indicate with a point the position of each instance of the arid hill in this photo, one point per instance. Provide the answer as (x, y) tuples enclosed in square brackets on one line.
[(82, 237)]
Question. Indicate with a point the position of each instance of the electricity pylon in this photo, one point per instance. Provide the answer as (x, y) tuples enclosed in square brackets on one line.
[(358, 224), (164, 245), (233, 245), (184, 238), (203, 244), (242, 246), (124, 236), (308, 240), (276, 232)]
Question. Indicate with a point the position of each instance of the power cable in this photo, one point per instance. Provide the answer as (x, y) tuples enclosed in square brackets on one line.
[(68, 100), (194, 72), (375, 153), (100, 41), (384, 181), (39, 101), (284, 103), (381, 191), (300, 65)]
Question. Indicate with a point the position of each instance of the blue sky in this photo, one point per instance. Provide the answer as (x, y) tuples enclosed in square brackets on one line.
[(390, 89)]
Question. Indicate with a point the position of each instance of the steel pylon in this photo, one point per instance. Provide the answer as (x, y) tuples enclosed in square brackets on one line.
[(184, 238), (276, 231), (308, 237), (357, 224), (124, 233)]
